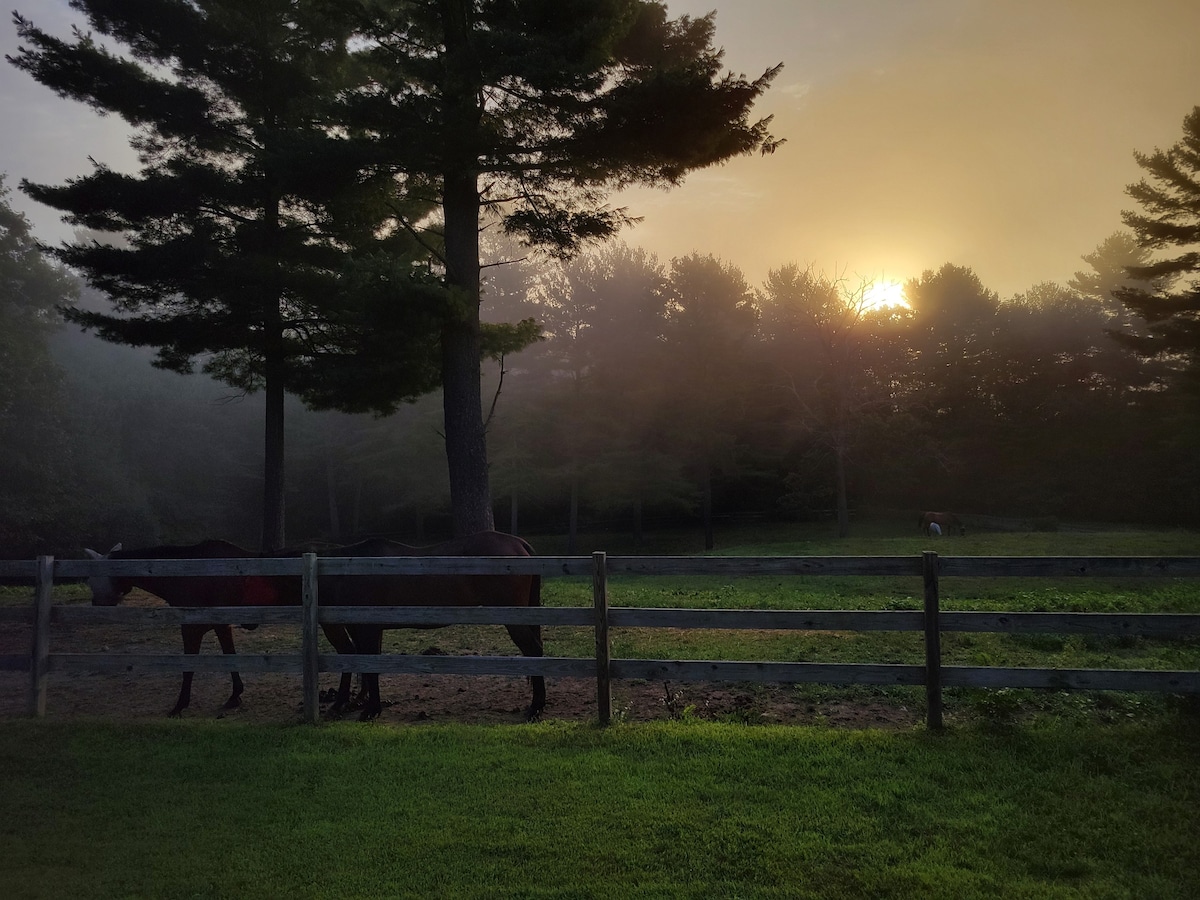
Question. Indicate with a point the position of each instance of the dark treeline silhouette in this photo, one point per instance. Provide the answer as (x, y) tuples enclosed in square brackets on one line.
[(661, 393), (675, 389)]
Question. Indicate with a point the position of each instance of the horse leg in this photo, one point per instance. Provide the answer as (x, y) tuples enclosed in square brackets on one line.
[(369, 639), (528, 639), (192, 635), (339, 637), (225, 637)]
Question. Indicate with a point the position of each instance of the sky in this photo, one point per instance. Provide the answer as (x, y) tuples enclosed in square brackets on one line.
[(994, 134)]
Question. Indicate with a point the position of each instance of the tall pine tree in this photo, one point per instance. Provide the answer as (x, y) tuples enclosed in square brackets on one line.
[(1170, 218), (530, 112), (236, 227)]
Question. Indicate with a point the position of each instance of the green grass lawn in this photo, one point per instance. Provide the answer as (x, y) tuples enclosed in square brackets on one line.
[(1027, 794), (218, 809), (864, 593)]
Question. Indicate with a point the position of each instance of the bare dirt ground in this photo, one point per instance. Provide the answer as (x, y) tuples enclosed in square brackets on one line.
[(408, 699)]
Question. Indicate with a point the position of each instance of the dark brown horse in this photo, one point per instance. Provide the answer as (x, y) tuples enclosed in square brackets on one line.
[(419, 590), (949, 523), (212, 590)]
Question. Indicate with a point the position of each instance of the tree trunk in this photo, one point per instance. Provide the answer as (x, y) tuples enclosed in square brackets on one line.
[(573, 523), (274, 371), (335, 522), (466, 441), (273, 460), (707, 510), (356, 521), (843, 506)]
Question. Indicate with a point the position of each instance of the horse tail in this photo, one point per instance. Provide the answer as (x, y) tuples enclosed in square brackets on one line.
[(535, 589)]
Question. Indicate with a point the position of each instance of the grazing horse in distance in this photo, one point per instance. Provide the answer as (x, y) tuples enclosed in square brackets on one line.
[(948, 523), (203, 590), (419, 590)]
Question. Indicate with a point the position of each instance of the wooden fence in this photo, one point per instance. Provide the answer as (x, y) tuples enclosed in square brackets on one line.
[(930, 567)]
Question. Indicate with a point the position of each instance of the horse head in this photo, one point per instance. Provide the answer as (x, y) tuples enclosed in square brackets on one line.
[(104, 590)]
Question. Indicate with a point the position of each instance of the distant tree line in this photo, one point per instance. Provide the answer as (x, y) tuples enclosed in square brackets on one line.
[(661, 393), (668, 389)]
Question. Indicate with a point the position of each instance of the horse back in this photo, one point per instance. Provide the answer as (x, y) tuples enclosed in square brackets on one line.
[(434, 590), (202, 590)]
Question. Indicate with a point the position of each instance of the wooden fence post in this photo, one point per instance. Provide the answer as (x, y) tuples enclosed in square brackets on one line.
[(603, 650), (39, 659), (933, 642), (308, 639)]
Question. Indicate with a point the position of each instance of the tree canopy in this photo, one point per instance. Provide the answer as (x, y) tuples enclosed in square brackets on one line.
[(231, 242), (315, 176), (1169, 219), (530, 113)]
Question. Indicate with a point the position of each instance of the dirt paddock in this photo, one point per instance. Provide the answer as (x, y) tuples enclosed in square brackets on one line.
[(408, 699)]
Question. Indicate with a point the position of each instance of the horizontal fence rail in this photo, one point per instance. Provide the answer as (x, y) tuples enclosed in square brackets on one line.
[(602, 618)]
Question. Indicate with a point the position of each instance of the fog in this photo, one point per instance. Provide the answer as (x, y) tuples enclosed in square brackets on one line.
[(994, 135), (998, 136), (973, 150)]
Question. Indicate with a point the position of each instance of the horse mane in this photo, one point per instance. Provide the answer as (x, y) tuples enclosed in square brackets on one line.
[(202, 550)]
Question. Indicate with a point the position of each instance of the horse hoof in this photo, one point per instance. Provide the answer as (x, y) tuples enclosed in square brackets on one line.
[(232, 703)]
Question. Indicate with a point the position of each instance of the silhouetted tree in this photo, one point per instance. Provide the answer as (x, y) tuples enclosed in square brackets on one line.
[(1170, 219), (227, 244), (708, 359), (533, 112), (829, 362), (1110, 264)]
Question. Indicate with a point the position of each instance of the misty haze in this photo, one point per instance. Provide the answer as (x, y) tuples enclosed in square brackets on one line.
[(894, 291)]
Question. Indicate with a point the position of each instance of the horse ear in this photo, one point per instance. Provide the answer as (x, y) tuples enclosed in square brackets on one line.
[(92, 554), (116, 547)]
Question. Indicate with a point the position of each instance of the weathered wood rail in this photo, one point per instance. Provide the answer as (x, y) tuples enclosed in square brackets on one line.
[(601, 617)]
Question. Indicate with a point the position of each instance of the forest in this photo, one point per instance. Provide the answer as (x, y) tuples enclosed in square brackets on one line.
[(662, 394), (380, 236)]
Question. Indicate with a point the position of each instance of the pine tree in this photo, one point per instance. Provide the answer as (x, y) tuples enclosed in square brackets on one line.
[(233, 236), (531, 112), (1170, 200)]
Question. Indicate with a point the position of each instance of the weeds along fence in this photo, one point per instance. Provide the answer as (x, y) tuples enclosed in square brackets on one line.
[(602, 618)]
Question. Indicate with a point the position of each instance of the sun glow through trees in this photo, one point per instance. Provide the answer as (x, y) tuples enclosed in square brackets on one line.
[(882, 293)]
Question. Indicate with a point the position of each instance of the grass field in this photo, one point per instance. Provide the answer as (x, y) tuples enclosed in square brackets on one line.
[(1026, 794), (221, 810), (875, 539), (865, 593)]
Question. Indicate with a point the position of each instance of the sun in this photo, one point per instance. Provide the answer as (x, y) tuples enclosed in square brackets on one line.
[(883, 293)]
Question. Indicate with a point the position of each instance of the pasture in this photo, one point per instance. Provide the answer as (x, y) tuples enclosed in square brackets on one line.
[(273, 698), (221, 809), (1025, 794)]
